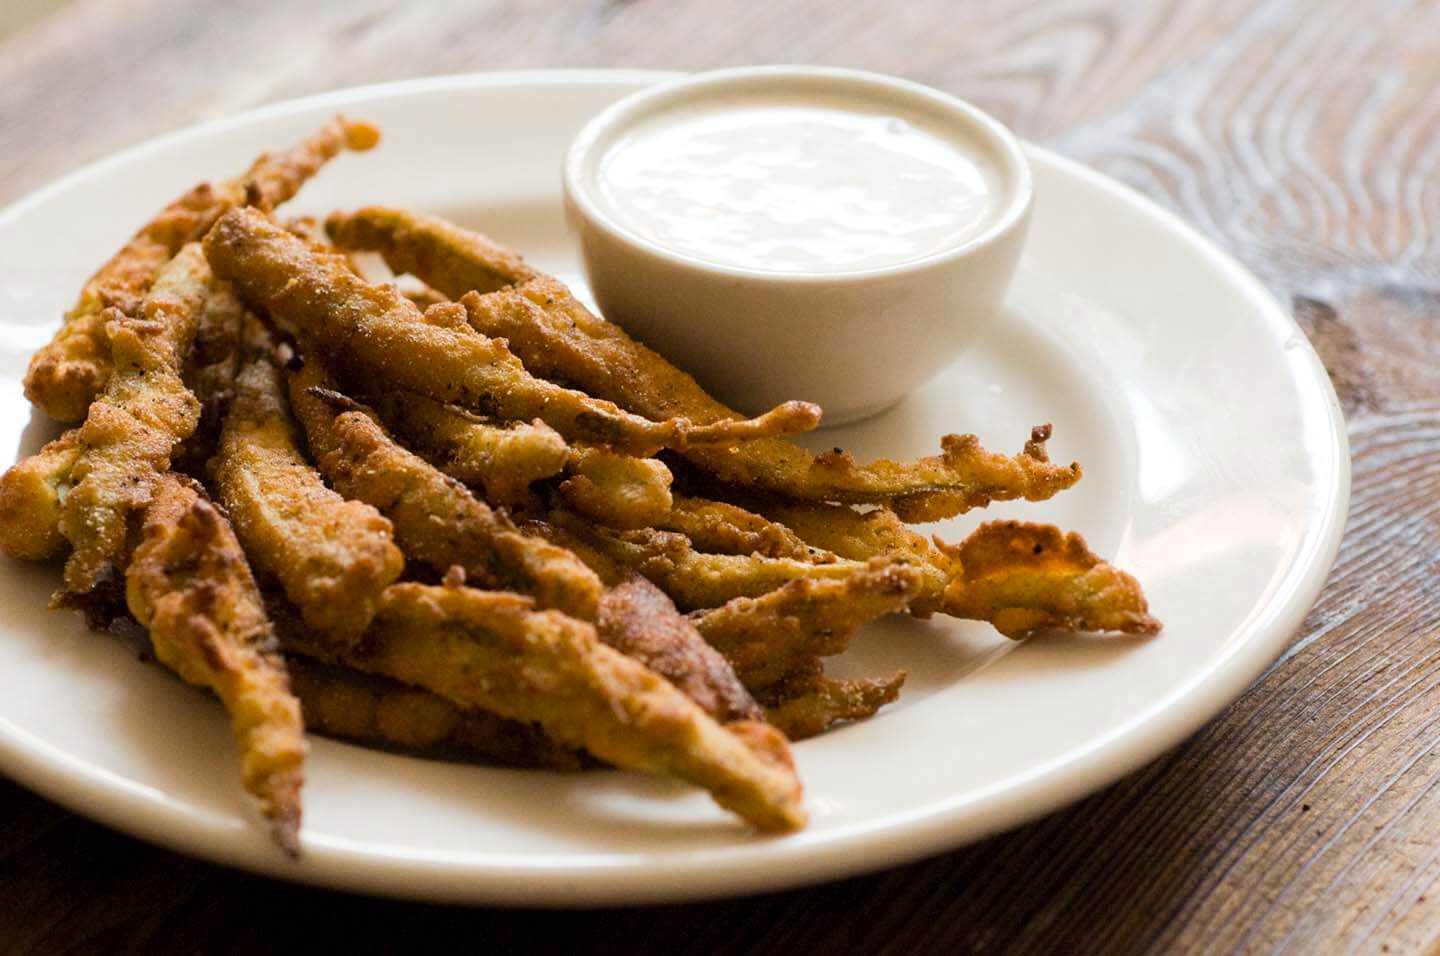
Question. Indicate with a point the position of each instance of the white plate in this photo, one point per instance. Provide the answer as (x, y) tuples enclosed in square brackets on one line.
[(1216, 470)]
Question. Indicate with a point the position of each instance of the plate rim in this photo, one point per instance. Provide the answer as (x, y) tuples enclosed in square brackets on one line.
[(847, 851)]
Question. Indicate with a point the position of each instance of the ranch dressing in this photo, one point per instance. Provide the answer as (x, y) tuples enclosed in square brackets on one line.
[(794, 186)]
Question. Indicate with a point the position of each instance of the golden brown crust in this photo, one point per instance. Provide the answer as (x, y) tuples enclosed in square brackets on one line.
[(275, 178), (190, 586), (494, 652), (131, 430), (526, 307), (1024, 578), (724, 528), (618, 491), (863, 536), (362, 462), (808, 703), (769, 637), (557, 337), (333, 557), (343, 703), (564, 339), (609, 570), (1006, 581), (641, 621), (209, 373), (694, 579), (453, 260), (31, 492), (565, 426), (374, 332), (501, 459), (67, 373), (637, 619), (422, 295)]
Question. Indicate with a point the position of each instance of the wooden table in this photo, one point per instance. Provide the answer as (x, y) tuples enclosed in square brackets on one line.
[(1303, 136)]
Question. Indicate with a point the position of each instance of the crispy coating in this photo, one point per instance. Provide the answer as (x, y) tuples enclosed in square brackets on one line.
[(724, 528), (492, 651), (964, 476), (504, 460), (307, 228), (808, 703), (67, 373), (508, 383), (562, 339), (275, 179), (618, 491), (437, 520), (501, 459), (526, 306), (132, 428), (209, 373), (1019, 576), (1024, 578), (31, 492), (637, 619), (190, 586), (374, 333), (421, 294), (607, 568), (692, 578), (846, 531), (333, 557), (453, 260), (338, 702), (863, 536), (769, 637)]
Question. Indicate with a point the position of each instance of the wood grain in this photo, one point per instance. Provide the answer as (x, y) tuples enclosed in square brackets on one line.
[(1304, 136)]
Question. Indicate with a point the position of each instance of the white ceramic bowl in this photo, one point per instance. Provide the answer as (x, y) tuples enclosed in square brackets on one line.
[(853, 341)]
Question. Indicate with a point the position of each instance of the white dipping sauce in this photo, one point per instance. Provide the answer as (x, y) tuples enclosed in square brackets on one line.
[(795, 186)]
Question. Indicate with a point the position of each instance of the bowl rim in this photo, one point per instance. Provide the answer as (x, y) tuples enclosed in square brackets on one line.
[(600, 131)]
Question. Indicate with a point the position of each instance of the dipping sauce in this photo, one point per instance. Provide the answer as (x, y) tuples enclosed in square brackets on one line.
[(795, 186)]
